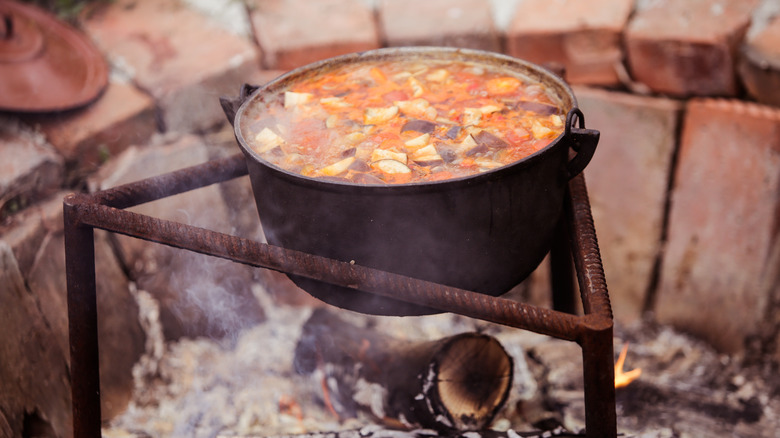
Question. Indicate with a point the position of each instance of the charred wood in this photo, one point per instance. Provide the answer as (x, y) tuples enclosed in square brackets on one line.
[(455, 383)]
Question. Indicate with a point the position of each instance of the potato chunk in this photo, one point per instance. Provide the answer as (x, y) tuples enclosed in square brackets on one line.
[(384, 154), (293, 99), (266, 140), (375, 116), (338, 167)]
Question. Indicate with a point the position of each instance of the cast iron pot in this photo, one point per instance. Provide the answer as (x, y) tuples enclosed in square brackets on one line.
[(484, 233)]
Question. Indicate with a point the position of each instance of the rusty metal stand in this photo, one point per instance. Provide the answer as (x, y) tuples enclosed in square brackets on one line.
[(104, 210)]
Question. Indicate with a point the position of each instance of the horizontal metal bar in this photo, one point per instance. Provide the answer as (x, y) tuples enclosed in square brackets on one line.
[(499, 310), (169, 184)]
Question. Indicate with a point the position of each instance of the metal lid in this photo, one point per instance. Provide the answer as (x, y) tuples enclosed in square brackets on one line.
[(45, 65)]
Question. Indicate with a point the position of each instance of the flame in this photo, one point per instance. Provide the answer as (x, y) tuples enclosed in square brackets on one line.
[(624, 378)]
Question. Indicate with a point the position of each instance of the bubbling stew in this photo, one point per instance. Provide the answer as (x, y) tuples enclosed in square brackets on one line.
[(404, 121)]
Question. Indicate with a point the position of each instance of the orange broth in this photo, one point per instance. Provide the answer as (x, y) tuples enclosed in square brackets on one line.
[(405, 121)]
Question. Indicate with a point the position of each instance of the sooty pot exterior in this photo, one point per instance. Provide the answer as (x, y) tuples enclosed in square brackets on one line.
[(484, 233)]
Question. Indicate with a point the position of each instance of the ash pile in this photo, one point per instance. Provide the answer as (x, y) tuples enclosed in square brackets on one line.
[(267, 381)]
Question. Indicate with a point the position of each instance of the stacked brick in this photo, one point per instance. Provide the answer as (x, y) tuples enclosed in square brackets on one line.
[(685, 93)]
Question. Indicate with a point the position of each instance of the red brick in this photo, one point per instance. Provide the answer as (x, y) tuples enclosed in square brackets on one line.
[(292, 33), (123, 116), (456, 23), (722, 258), (582, 37), (759, 65), (184, 60), (688, 47), (627, 183)]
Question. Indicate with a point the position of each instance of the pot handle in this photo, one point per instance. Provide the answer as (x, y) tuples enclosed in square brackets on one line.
[(583, 142), (230, 105)]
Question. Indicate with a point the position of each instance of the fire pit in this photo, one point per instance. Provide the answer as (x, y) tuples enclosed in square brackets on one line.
[(104, 210)]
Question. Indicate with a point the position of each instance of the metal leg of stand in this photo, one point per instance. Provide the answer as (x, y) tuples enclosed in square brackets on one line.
[(599, 379), (82, 322), (596, 336)]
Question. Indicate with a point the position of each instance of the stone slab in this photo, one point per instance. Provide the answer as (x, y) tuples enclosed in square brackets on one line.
[(30, 169), (26, 231), (35, 385), (122, 116), (458, 23), (687, 47), (177, 55), (292, 33), (720, 265), (121, 339), (583, 38)]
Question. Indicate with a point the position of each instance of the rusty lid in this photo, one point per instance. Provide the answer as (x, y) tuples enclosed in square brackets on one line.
[(45, 65)]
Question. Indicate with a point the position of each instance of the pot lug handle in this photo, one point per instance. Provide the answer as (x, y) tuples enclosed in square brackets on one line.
[(230, 105), (583, 142)]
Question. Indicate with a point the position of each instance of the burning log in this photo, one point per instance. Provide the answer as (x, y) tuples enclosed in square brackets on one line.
[(455, 383)]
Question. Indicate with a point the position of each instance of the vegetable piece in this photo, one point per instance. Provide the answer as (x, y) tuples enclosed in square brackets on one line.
[(537, 107), (416, 86), (487, 164), (417, 108), (453, 132), (489, 109), (418, 142), (469, 147), (384, 154), (266, 140), (439, 75), (377, 75), (337, 167), (502, 85), (360, 166), (375, 116), (489, 140), (366, 178), (471, 116), (426, 156), (334, 102), (423, 126), (293, 99), (448, 155), (393, 171), (539, 131), (354, 137)]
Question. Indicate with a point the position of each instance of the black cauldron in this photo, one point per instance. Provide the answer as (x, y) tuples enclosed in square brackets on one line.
[(484, 233)]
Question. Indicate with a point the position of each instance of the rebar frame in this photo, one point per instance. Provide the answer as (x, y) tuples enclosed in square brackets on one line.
[(575, 240)]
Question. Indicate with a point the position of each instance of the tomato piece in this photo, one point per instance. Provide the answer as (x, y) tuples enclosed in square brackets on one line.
[(440, 176), (517, 136), (395, 95)]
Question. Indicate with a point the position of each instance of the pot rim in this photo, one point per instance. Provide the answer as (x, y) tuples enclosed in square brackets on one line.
[(516, 66)]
